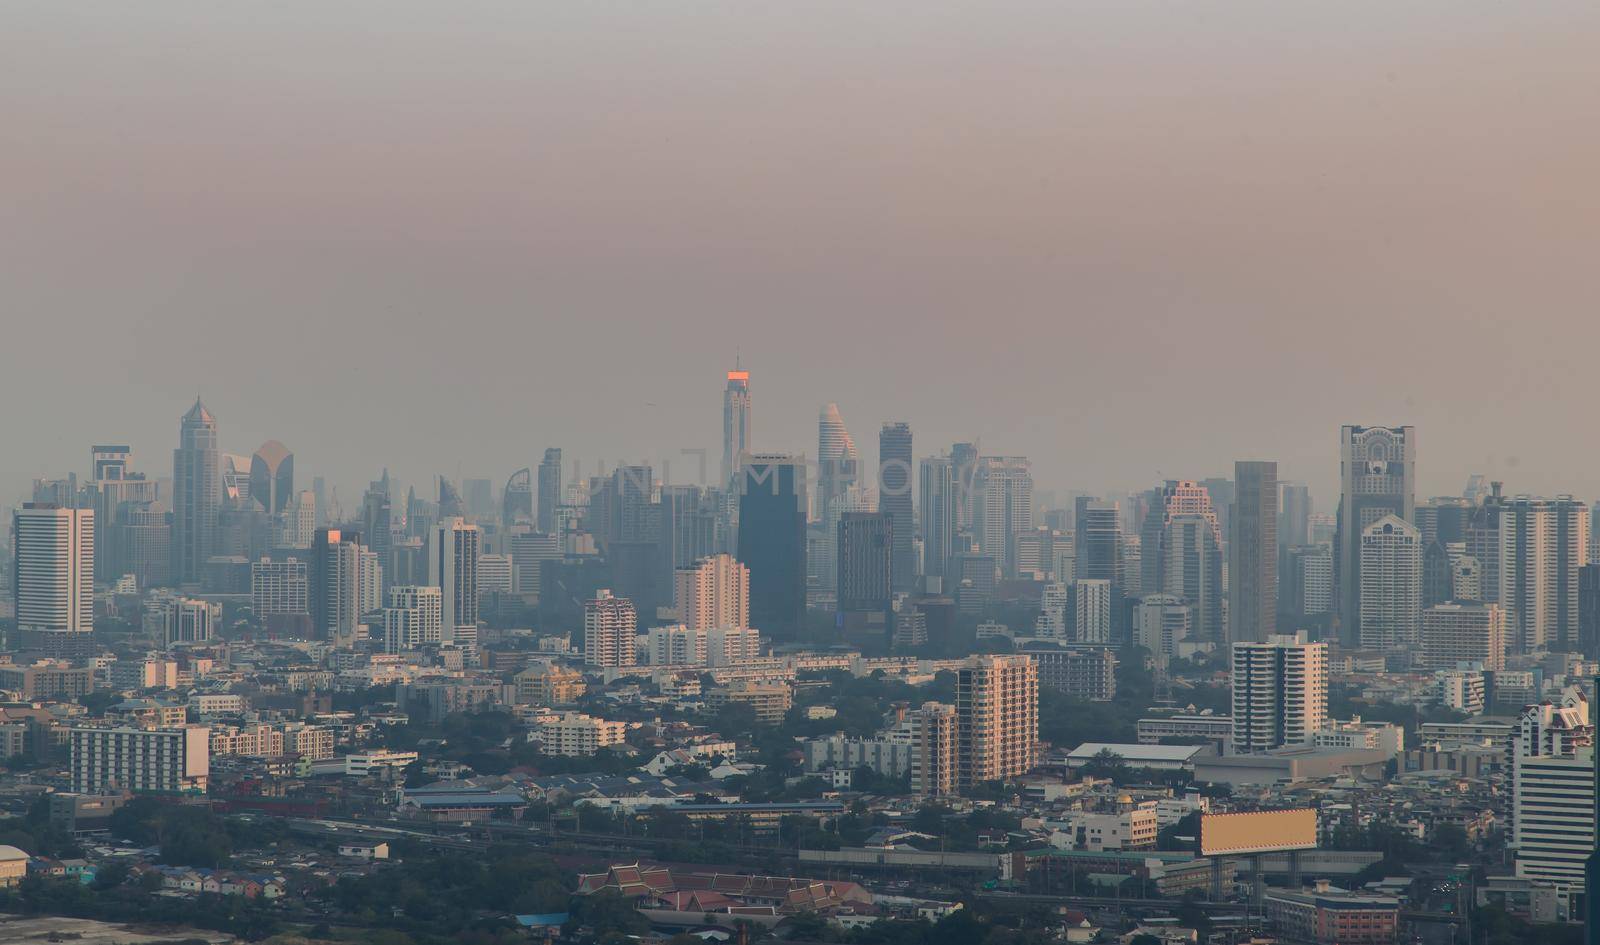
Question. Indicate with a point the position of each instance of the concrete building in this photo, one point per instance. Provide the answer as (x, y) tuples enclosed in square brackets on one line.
[(1327, 915), (1003, 507), (167, 761), (713, 592), (1085, 671), (609, 628), (574, 734), (730, 646), (548, 684), (1553, 791), (1456, 633), (997, 712), (413, 619), (184, 620), (939, 511), (1280, 692), (1391, 586), (894, 501), (196, 494), (675, 645), (453, 568), (1253, 552), (735, 428), (771, 701), (279, 587), (935, 769), (1377, 468), (53, 576), (1092, 611), (1543, 543)]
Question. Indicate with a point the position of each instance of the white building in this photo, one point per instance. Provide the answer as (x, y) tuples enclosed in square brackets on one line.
[(1052, 621), (1453, 634), (1552, 791), (1391, 585), (497, 574), (184, 620), (731, 646), (1161, 623), (168, 761), (1133, 826), (576, 734), (1543, 542), (1464, 690), (1280, 692), (54, 569), (713, 592), (676, 645), (609, 627), (1356, 734), (1093, 611), (370, 583), (453, 568), (414, 618)]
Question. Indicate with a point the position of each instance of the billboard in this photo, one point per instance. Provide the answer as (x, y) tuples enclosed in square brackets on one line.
[(1263, 831)]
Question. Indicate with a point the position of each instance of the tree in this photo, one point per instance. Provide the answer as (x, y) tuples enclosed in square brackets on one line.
[(1108, 765)]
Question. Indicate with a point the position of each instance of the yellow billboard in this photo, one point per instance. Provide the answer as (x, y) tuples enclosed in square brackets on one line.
[(1262, 831)]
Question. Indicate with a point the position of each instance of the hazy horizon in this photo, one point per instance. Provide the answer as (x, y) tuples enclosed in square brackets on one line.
[(1130, 241)]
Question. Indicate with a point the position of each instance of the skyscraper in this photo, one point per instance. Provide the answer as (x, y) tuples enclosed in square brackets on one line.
[(549, 489), (964, 456), (1181, 552), (1003, 507), (1294, 514), (609, 627), (335, 586), (713, 592), (1391, 586), (453, 568), (517, 505), (940, 514), (1097, 540), (376, 524), (1543, 543), (1253, 552), (1280, 692), (735, 425), (1377, 469), (894, 491), (772, 540), (118, 491), (1092, 611), (866, 571), (196, 494), (997, 718), (272, 477), (53, 577), (837, 473)]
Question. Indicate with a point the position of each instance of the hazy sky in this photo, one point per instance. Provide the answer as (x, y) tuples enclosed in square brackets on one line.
[(1129, 239)]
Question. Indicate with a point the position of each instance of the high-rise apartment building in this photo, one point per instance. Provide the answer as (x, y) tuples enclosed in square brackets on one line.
[(997, 718), (413, 618), (894, 499), (52, 577), (934, 753), (196, 494), (1553, 791), (940, 514), (609, 628), (453, 568), (1191, 568), (1377, 469), (1543, 543), (159, 761), (1092, 611), (1253, 552), (1391, 586), (1280, 692), (1306, 589), (772, 540), (334, 586), (865, 579), (1003, 507), (713, 592), (1456, 633)]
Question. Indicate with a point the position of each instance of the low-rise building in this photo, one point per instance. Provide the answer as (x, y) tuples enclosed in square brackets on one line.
[(576, 734), (1329, 916), (771, 701)]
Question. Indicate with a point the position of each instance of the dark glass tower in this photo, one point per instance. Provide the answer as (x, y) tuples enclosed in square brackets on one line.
[(772, 541)]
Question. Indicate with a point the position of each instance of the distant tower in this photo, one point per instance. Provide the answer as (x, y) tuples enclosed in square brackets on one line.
[(713, 592), (196, 494), (609, 627), (1543, 543), (1253, 552), (1097, 540), (1002, 507), (453, 568), (549, 489), (53, 577), (836, 485), (941, 515), (376, 524), (772, 540), (865, 565), (894, 498), (1391, 586), (335, 586), (1378, 470), (272, 477), (735, 423)]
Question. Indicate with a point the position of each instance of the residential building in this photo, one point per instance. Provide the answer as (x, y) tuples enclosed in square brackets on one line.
[(169, 761), (1553, 791), (935, 735), (997, 711), (413, 619), (1253, 552), (1280, 692), (1543, 543), (609, 627), (1391, 586), (713, 592), (334, 586), (676, 645), (1454, 633), (453, 568), (279, 587), (1084, 671), (771, 701), (1092, 611), (1003, 507), (548, 684), (574, 734)]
